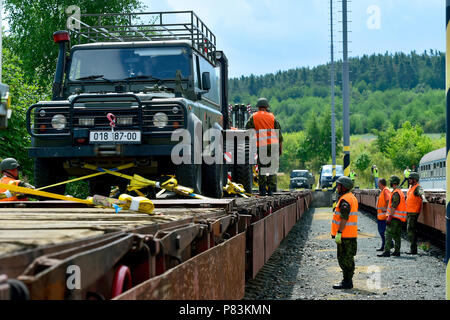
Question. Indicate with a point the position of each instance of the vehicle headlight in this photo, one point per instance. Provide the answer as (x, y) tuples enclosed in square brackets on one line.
[(86, 122), (59, 122), (160, 120)]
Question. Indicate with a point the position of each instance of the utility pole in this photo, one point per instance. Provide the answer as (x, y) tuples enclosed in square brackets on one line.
[(345, 91), (333, 124), (447, 197)]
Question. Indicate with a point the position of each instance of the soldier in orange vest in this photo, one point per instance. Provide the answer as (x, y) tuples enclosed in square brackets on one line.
[(344, 229), (414, 199), (9, 168), (269, 138), (396, 212), (382, 204)]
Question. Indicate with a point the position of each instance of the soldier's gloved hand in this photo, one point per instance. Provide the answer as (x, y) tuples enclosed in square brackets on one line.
[(25, 185), (338, 238), (424, 199)]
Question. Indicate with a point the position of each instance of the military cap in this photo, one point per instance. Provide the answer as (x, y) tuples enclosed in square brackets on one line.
[(346, 182), (394, 180), (262, 103), (9, 164), (414, 175)]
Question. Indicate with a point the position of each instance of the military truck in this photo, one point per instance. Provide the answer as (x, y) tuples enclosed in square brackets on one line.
[(5, 102), (120, 93)]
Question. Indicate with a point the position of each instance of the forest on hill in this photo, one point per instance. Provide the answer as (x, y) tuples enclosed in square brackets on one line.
[(386, 90)]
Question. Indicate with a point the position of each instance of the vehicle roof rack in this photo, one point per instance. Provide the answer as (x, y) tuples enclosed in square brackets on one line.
[(146, 26)]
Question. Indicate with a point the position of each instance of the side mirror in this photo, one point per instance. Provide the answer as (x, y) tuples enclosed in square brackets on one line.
[(206, 81)]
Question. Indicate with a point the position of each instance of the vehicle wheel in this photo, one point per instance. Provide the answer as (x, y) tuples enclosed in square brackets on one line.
[(213, 180), (243, 174), (190, 175), (48, 171)]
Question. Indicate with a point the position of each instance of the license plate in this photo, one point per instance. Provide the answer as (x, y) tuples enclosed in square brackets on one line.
[(115, 137)]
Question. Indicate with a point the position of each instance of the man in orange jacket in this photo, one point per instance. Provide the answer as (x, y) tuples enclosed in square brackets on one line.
[(9, 168), (269, 139), (396, 212), (414, 199), (382, 205), (344, 230)]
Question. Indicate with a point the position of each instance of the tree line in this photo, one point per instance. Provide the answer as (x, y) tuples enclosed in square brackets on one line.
[(385, 89)]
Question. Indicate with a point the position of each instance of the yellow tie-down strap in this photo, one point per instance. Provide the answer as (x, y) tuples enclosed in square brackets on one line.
[(126, 202), (137, 182)]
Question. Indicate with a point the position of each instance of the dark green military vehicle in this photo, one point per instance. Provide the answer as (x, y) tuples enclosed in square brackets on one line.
[(121, 92)]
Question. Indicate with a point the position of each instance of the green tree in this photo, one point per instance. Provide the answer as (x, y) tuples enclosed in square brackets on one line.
[(363, 161), (408, 146), (15, 140), (32, 23)]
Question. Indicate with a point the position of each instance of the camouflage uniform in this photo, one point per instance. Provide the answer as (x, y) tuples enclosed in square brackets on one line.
[(346, 250), (394, 228), (411, 222), (266, 182)]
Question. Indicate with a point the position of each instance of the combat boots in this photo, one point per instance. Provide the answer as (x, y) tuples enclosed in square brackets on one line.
[(344, 284), (384, 254)]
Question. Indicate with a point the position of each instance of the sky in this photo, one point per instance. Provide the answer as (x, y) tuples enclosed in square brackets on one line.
[(266, 36)]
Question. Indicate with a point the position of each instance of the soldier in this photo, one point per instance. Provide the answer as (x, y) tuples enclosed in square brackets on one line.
[(9, 168), (382, 205), (268, 134), (344, 230), (396, 215), (414, 199)]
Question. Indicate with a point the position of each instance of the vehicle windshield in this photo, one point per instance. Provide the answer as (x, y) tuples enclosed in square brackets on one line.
[(129, 64), (301, 174), (328, 170)]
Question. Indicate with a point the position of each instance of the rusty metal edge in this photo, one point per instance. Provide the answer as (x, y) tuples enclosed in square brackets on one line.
[(218, 273)]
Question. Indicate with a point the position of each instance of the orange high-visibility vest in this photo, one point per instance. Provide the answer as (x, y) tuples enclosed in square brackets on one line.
[(413, 203), (381, 204), (265, 128), (8, 180), (351, 227), (400, 211)]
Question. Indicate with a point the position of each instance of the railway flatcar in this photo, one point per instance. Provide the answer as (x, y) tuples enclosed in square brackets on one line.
[(432, 168)]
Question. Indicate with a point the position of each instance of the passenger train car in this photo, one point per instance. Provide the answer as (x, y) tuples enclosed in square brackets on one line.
[(432, 170)]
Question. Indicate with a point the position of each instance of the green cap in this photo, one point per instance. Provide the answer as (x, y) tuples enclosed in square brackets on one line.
[(394, 180), (414, 175), (346, 182), (262, 103), (9, 164)]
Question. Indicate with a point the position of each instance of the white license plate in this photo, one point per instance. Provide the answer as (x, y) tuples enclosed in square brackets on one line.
[(115, 137)]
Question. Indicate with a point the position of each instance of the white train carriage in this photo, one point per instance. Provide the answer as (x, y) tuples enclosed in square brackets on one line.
[(432, 168)]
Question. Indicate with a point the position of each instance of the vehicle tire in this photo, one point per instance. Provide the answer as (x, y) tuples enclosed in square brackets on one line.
[(190, 175), (243, 174), (213, 180), (48, 171)]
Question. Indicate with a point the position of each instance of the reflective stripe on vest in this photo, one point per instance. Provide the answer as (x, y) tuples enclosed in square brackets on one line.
[(351, 227), (8, 180), (381, 211), (265, 128), (400, 211), (413, 203)]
